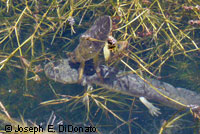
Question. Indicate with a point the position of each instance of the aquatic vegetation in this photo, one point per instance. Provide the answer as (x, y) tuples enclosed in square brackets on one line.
[(163, 43), (23, 127)]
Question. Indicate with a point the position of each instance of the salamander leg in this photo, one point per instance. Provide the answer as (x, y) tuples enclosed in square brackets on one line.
[(81, 70), (195, 110), (96, 66), (154, 111)]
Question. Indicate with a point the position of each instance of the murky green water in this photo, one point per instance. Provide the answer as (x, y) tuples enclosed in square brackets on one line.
[(43, 33)]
